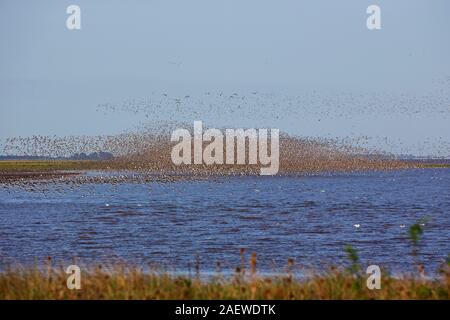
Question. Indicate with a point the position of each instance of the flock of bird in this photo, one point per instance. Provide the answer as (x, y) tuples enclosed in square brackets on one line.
[(254, 105), (146, 148)]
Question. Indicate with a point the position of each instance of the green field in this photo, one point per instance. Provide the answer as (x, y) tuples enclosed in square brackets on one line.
[(435, 165), (55, 165), (49, 165)]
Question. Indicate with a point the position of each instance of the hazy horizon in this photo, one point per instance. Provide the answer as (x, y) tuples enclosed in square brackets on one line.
[(317, 69)]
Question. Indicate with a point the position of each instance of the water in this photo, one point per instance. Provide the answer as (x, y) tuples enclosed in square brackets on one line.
[(309, 219)]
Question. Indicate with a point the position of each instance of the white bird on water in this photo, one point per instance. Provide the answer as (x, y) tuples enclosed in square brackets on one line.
[(357, 225)]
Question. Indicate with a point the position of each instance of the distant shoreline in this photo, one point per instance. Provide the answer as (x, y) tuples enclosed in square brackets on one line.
[(13, 170), (70, 164)]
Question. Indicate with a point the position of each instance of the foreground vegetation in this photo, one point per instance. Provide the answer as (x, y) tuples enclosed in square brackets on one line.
[(122, 282), (132, 283)]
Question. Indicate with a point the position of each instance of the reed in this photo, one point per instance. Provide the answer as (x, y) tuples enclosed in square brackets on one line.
[(126, 282)]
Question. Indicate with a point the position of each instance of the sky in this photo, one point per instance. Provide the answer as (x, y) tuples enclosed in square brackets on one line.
[(317, 68)]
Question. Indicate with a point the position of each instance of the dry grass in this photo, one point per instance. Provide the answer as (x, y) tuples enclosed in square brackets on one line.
[(121, 282)]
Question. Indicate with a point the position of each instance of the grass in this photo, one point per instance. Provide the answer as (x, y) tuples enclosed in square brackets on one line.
[(49, 165), (55, 165), (435, 165), (121, 282), (125, 282)]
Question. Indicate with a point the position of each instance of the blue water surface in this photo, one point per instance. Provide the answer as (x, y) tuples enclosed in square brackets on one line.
[(307, 218)]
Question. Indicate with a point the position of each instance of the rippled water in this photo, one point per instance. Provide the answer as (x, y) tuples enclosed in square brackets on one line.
[(308, 219)]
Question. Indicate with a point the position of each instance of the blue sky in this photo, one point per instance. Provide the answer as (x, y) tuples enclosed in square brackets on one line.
[(392, 85)]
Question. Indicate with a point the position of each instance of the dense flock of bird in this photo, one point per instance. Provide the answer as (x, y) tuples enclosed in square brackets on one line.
[(145, 149)]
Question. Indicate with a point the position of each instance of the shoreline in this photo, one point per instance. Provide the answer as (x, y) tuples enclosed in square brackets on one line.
[(26, 170)]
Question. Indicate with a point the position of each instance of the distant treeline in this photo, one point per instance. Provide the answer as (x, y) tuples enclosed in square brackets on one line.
[(77, 156)]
